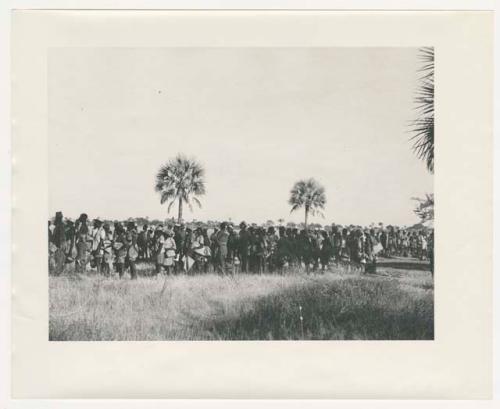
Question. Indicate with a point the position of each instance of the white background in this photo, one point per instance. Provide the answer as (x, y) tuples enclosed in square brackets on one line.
[(5, 160)]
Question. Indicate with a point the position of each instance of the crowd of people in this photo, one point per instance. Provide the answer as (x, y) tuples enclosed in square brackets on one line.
[(174, 248)]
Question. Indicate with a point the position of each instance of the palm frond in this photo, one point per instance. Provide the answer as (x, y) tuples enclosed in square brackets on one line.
[(423, 127), (195, 199), (170, 205)]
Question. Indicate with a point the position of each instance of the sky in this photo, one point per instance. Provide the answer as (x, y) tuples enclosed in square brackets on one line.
[(257, 119)]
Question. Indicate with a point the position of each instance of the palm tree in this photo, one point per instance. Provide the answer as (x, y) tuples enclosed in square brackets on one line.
[(425, 207), (180, 180), (423, 127), (310, 195)]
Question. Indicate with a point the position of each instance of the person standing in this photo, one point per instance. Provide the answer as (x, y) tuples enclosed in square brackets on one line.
[(208, 251), (159, 253), (326, 251), (371, 242), (81, 243), (188, 259), (243, 244), (132, 250), (107, 247), (70, 241), (169, 247), (222, 239), (261, 250), (293, 245), (198, 250), (316, 240), (384, 241), (271, 253), (430, 252), (142, 243), (150, 244), (305, 249), (119, 245), (98, 236), (345, 254), (282, 250), (252, 249), (179, 237), (50, 228), (232, 247), (59, 242), (214, 248)]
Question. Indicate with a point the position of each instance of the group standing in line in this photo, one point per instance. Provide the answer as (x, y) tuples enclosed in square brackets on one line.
[(176, 248)]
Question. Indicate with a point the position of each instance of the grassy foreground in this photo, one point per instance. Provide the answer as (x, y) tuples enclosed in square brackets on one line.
[(393, 304)]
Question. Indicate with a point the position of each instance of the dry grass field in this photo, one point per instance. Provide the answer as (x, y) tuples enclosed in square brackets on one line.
[(395, 303)]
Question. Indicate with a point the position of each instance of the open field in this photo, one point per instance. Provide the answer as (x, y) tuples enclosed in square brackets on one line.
[(396, 303)]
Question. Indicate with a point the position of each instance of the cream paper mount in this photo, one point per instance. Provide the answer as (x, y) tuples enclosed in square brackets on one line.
[(457, 364)]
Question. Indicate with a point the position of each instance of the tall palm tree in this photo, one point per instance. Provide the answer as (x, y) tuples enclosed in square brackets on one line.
[(422, 128), (310, 195), (180, 180)]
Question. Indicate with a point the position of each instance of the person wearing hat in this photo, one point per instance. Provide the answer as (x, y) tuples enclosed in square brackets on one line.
[(384, 241), (252, 248), (82, 239), (405, 244), (207, 249), (81, 221), (271, 248), (336, 240), (430, 251), (355, 246), (344, 252), (59, 243), (326, 250), (179, 237), (260, 251), (221, 240), (158, 249), (51, 228), (187, 260), (116, 228), (150, 243), (132, 249), (142, 243), (98, 236), (232, 246), (316, 240), (70, 240), (120, 248), (305, 249), (368, 244), (198, 250), (243, 246), (281, 251), (169, 248), (213, 246), (292, 236), (107, 248)]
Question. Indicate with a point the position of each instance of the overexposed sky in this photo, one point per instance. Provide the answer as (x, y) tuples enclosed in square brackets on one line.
[(258, 119)]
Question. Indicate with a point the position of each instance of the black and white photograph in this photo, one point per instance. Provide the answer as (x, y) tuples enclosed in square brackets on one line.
[(237, 194)]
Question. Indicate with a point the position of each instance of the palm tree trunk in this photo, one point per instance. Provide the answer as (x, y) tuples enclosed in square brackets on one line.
[(180, 210), (307, 214)]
